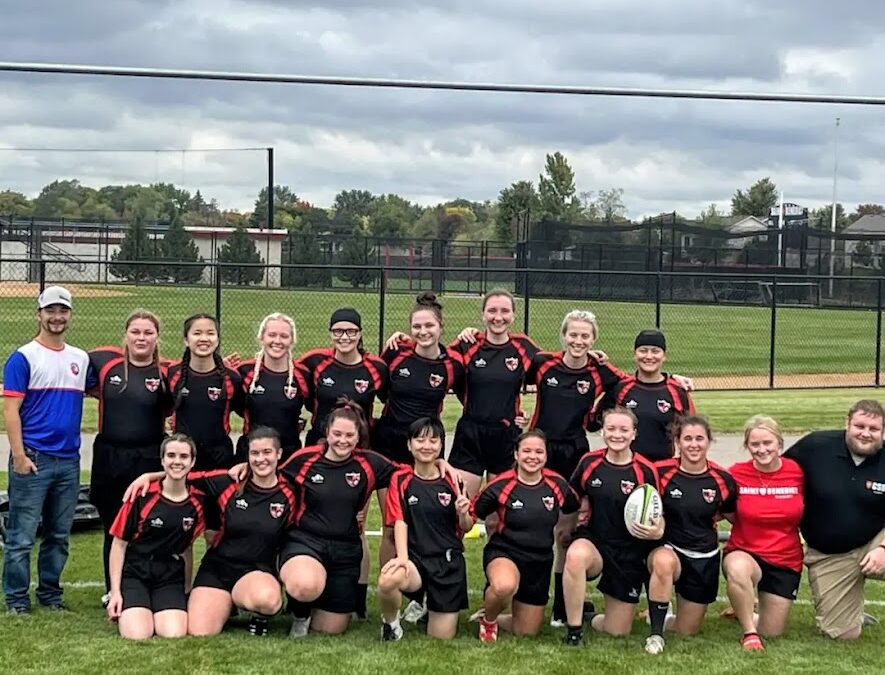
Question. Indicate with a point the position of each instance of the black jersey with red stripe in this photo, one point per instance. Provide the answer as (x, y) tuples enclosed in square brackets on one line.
[(428, 508), (133, 401), (270, 400), (333, 493), (329, 379), (655, 406), (693, 502), (418, 385), (566, 397), (156, 526), (207, 404), (607, 487), (526, 513), (494, 376), (253, 522)]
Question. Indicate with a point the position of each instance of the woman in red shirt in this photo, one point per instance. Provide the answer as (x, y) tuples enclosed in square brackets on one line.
[(764, 551)]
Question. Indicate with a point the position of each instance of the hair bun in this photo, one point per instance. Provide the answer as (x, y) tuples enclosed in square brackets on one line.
[(427, 298)]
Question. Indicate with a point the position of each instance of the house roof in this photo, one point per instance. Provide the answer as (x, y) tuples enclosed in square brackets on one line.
[(872, 224), (741, 224)]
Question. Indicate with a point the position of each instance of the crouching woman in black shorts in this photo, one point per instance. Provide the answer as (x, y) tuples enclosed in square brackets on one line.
[(429, 515), (150, 537), (518, 558)]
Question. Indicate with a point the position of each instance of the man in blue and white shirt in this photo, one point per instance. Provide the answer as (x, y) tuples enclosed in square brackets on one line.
[(44, 383)]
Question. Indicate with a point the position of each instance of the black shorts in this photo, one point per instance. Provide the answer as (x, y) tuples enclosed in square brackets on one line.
[(563, 456), (624, 567), (444, 581), (699, 579), (391, 440), (216, 571), (483, 447), (341, 560), (114, 467), (780, 581), (241, 454), (534, 571), (156, 584)]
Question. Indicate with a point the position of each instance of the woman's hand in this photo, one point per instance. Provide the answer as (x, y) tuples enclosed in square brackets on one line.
[(469, 334), (394, 565), (137, 488), (599, 355), (232, 360), (394, 340), (685, 382), (238, 471), (647, 532), (115, 606)]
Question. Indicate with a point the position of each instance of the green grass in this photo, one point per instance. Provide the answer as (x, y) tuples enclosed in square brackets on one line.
[(704, 340), (83, 641)]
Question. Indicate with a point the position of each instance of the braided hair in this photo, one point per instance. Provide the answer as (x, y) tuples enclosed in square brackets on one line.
[(180, 390), (155, 357), (259, 357)]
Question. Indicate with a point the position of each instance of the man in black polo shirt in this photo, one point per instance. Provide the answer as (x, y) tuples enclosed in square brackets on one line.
[(844, 519)]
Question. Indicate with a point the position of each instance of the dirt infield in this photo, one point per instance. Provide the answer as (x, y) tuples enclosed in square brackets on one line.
[(810, 381), (23, 289)]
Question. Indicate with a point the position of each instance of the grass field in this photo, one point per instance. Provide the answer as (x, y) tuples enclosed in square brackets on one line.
[(724, 342), (83, 641)]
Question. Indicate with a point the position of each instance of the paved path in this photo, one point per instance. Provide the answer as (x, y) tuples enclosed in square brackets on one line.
[(726, 449)]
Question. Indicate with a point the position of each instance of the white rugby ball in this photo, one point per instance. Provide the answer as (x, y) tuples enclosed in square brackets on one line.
[(643, 506)]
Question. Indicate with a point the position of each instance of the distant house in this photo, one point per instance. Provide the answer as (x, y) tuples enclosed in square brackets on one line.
[(869, 224), (745, 225)]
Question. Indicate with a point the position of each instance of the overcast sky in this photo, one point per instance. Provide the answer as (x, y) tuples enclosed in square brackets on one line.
[(434, 146)]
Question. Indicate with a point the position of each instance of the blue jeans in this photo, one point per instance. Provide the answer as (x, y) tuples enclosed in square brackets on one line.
[(48, 497)]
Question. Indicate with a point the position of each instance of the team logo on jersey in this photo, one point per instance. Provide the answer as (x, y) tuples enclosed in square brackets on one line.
[(676, 493), (404, 372), (412, 500), (596, 482), (516, 505), (214, 393), (241, 504), (187, 523), (435, 380), (259, 389), (317, 478), (276, 509), (552, 382), (327, 382), (361, 386), (480, 363), (511, 362), (548, 502), (709, 495), (290, 392), (115, 379), (631, 403), (583, 386), (75, 369), (445, 498), (664, 406), (152, 384), (627, 486), (156, 522), (353, 478)]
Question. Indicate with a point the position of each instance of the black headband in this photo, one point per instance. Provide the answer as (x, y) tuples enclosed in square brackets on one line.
[(348, 314), (650, 338)]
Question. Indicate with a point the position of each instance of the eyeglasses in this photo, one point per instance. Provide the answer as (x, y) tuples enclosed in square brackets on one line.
[(349, 332)]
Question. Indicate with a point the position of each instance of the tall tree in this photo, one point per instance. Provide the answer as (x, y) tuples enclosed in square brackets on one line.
[(556, 187), (357, 250), (610, 205), (518, 206), (821, 219), (127, 262), (236, 253), (867, 210), (391, 216), (284, 201), (179, 249), (757, 201), (15, 203)]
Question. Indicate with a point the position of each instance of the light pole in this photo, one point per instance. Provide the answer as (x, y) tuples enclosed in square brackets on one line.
[(833, 210)]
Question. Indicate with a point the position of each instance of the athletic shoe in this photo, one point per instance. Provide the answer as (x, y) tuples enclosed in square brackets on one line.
[(654, 644), (574, 639), (870, 620), (391, 633), (752, 642), (556, 622), (18, 611), (561, 622), (414, 611), (57, 607), (299, 627), (477, 615), (488, 630), (105, 600), (258, 626)]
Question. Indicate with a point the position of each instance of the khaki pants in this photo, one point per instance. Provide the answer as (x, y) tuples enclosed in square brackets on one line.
[(837, 587)]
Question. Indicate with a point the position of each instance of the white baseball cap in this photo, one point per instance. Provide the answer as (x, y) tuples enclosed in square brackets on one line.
[(55, 295)]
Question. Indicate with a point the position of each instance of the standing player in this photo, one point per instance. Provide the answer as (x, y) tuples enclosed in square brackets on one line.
[(695, 492), (133, 402), (655, 397), (274, 386), (150, 538), (518, 557), (320, 561), (764, 551), (429, 515), (604, 546)]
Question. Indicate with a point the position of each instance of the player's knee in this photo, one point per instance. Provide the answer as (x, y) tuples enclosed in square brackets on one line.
[(504, 586), (177, 629), (267, 600), (139, 631), (388, 582), (664, 563), (304, 588)]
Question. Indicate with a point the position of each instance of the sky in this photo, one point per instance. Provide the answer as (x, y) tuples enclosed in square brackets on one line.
[(430, 146)]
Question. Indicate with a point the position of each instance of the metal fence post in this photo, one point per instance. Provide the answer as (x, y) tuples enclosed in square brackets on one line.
[(525, 299), (771, 351), (382, 294), (42, 269), (878, 331), (218, 292), (658, 300)]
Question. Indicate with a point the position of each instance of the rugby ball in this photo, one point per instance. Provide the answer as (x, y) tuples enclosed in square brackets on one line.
[(643, 506)]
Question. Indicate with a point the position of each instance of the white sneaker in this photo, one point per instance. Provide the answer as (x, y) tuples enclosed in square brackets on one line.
[(477, 615), (556, 623), (299, 628), (654, 644), (391, 632), (414, 612), (105, 600)]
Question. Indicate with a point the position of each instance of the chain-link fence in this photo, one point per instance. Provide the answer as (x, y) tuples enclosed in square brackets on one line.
[(726, 331)]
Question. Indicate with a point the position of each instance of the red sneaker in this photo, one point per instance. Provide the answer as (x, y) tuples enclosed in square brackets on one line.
[(488, 630), (752, 642)]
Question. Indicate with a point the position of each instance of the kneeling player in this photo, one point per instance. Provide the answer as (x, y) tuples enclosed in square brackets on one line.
[(429, 515), (518, 558), (151, 536), (694, 492)]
